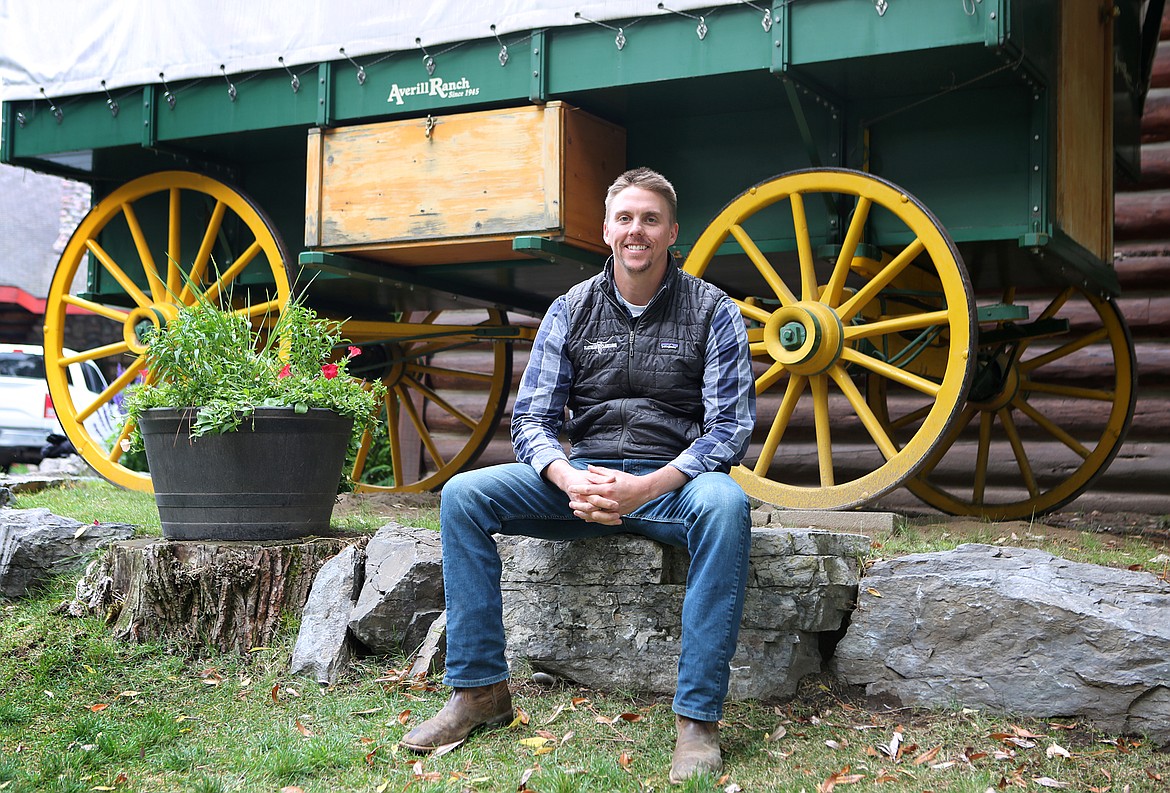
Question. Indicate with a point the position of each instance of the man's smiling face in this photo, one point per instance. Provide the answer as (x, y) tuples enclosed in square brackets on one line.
[(639, 230)]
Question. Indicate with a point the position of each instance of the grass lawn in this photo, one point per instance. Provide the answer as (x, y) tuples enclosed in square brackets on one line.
[(80, 711)]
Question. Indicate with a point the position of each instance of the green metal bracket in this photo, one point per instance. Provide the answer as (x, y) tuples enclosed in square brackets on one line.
[(1034, 240), (325, 94), (553, 252), (810, 145), (8, 122), (149, 114), (998, 28), (1000, 312), (538, 90)]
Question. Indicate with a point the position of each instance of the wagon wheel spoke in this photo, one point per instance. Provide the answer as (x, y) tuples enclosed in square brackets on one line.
[(771, 277), (820, 396), (868, 418), (110, 266), (1021, 456), (796, 386), (921, 384), (194, 280), (158, 290)]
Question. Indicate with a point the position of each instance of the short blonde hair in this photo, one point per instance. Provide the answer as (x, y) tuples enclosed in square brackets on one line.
[(647, 180)]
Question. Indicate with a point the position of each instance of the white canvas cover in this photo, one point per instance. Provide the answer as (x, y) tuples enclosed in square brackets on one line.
[(69, 47)]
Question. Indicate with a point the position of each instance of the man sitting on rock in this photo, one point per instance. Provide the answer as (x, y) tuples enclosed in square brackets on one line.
[(654, 368)]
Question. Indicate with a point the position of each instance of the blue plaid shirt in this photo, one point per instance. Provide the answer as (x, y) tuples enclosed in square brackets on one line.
[(728, 393)]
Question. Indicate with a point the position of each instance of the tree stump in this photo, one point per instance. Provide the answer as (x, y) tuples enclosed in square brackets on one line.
[(218, 594)]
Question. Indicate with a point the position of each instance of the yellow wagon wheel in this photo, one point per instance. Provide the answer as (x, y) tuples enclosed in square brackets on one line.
[(1049, 406), (447, 377), (840, 275), (133, 261)]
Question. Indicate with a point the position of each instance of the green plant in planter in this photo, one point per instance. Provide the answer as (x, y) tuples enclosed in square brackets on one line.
[(213, 360)]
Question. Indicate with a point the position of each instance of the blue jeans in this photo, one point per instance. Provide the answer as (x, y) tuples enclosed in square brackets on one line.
[(709, 516)]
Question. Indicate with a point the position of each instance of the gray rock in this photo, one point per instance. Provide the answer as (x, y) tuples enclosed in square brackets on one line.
[(36, 545), (323, 648), (403, 590), (1015, 630), (606, 612), (433, 654)]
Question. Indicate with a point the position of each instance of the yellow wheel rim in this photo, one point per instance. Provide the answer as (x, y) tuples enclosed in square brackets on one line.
[(840, 275), (447, 385), (145, 243), (1038, 428)]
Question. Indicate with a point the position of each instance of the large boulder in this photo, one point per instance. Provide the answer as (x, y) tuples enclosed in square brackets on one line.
[(606, 612), (323, 647), (403, 590), (1016, 630), (36, 545)]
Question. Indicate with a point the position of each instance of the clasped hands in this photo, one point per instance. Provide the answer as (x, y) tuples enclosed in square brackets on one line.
[(602, 495)]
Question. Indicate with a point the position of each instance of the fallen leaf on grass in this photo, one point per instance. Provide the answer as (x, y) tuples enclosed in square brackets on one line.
[(1022, 733), (130, 694), (303, 730), (1056, 750), (426, 776), (894, 748), (544, 744), (292, 789), (733, 788), (625, 760), (445, 748), (842, 777), (776, 734), (836, 744), (1047, 781), (926, 756), (404, 717), (521, 720), (275, 693), (620, 717), (99, 707)]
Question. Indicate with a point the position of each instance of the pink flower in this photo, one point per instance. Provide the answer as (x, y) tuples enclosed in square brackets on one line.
[(354, 351), (329, 370), (285, 372)]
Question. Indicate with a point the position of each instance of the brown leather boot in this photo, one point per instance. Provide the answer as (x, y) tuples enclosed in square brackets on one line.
[(467, 709), (696, 750)]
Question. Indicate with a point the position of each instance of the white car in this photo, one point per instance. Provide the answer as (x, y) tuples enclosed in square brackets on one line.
[(27, 417)]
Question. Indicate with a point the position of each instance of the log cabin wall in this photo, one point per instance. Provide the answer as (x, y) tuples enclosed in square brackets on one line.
[(1142, 258)]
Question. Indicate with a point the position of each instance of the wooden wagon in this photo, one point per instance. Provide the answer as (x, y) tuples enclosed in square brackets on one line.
[(911, 200)]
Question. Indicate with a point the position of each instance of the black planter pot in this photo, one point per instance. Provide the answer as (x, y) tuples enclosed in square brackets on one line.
[(274, 478)]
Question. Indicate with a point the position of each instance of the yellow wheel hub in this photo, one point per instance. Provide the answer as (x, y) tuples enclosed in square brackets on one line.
[(806, 338)]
